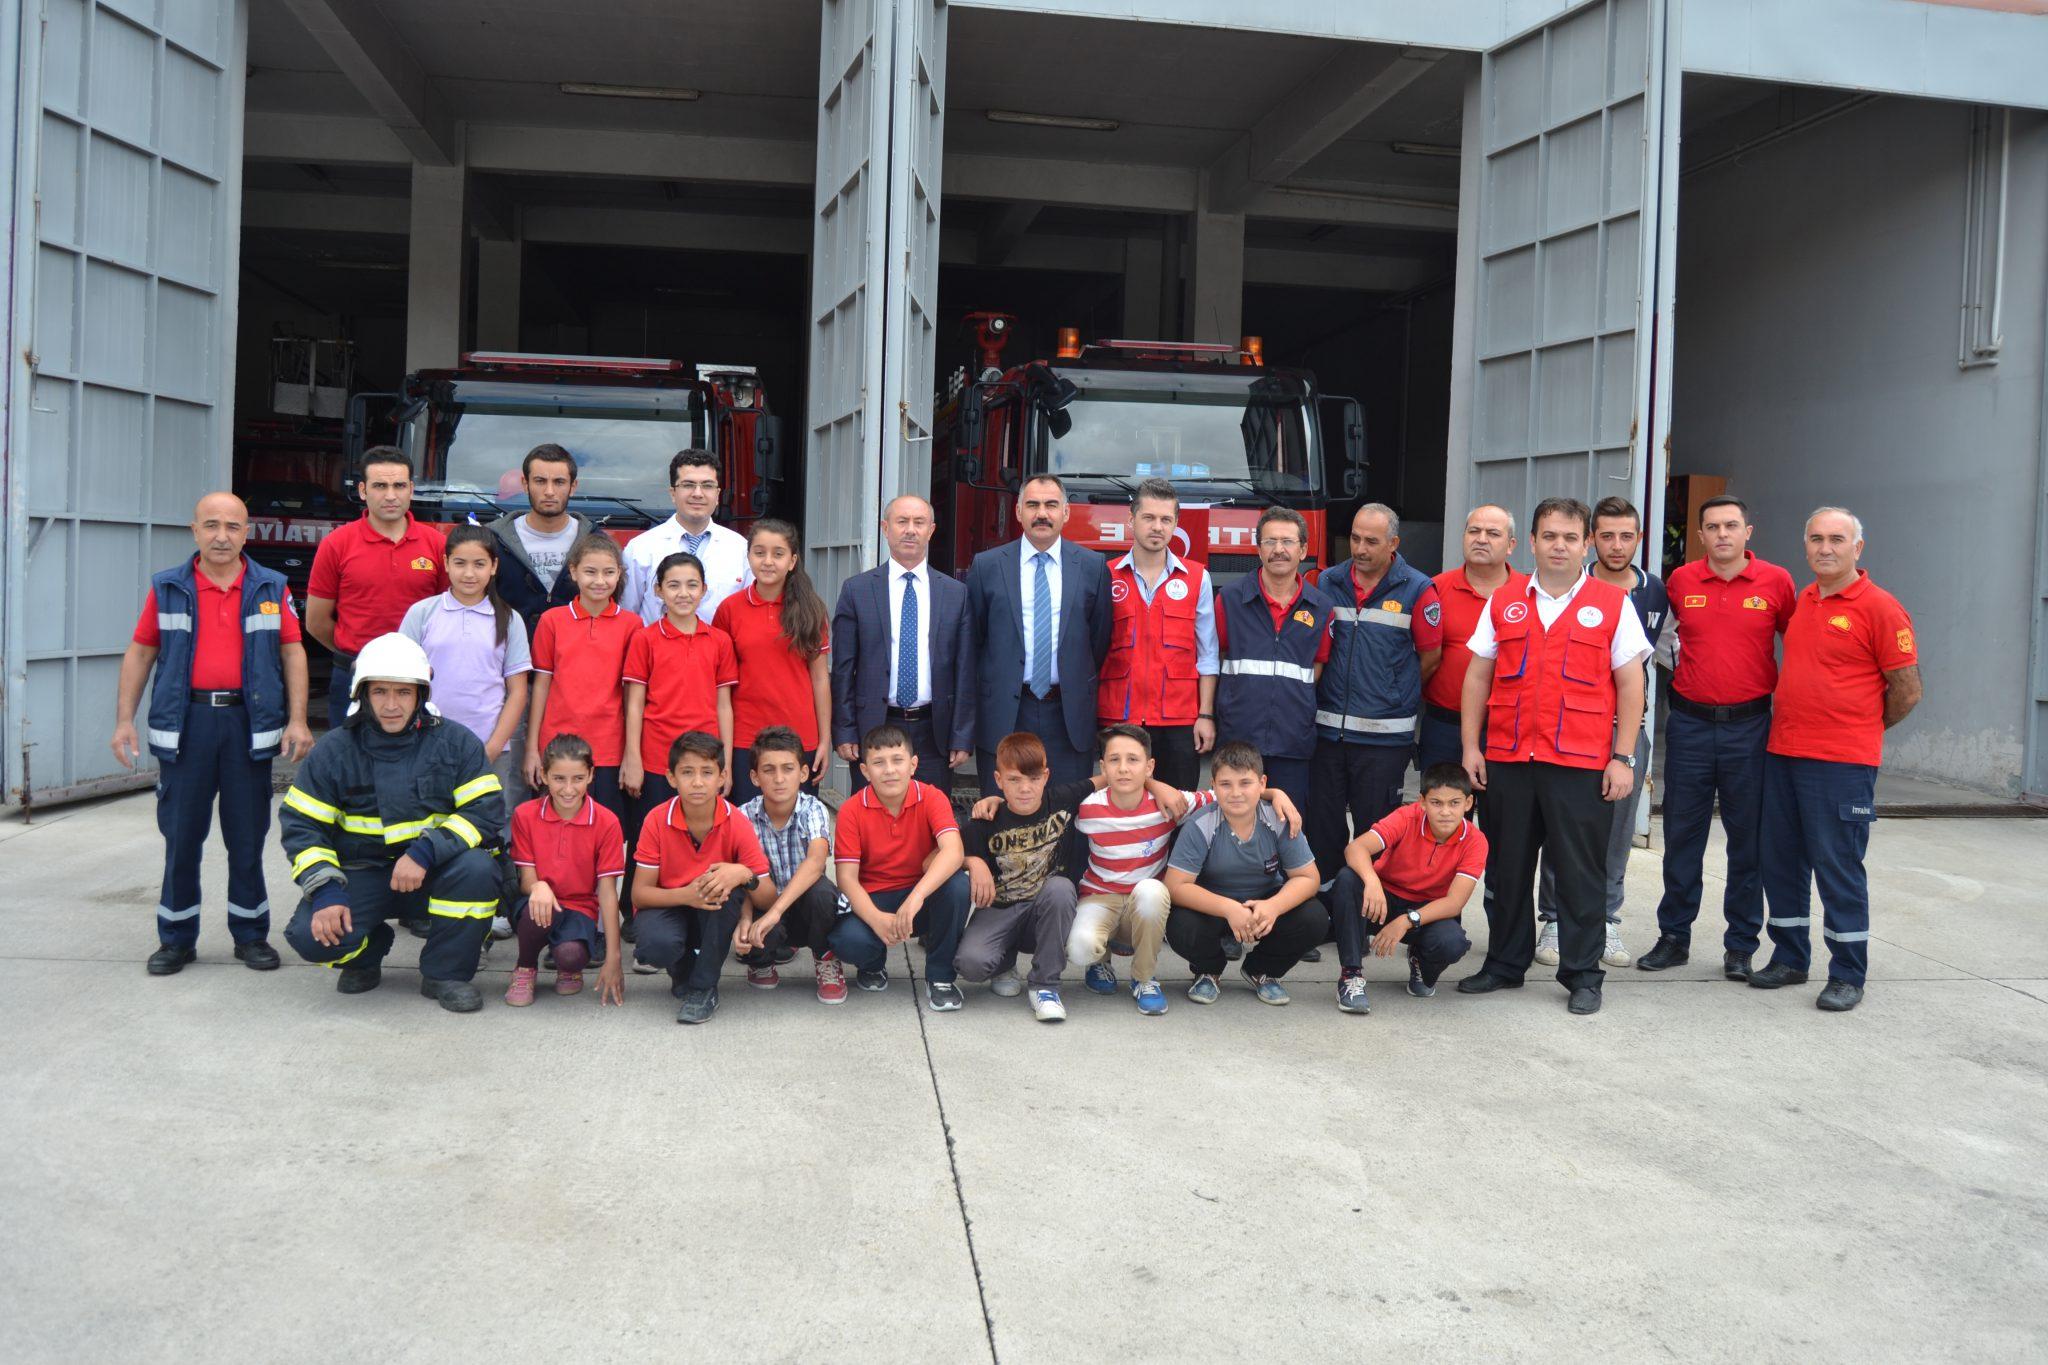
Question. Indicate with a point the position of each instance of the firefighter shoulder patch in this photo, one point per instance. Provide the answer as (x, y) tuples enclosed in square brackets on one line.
[(1306, 618), (1433, 613), (1839, 622), (272, 609), (1756, 603), (1696, 600), (423, 564), (1905, 641)]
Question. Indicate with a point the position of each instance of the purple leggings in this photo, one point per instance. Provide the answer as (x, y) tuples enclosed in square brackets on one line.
[(571, 954)]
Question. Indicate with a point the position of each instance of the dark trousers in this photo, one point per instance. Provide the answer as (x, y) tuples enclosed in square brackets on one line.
[(632, 812), (1199, 938), (1046, 720), (1040, 926), (457, 901), (1174, 760), (1435, 945), (689, 944), (1621, 840), (806, 924), (1437, 739), (340, 677), (1295, 776), (1705, 760), (743, 788), (1816, 829), (1361, 780), (1556, 812), (213, 765), (932, 767), (938, 925)]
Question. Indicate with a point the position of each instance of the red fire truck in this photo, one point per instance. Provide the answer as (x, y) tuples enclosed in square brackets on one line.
[(1232, 433), (467, 430)]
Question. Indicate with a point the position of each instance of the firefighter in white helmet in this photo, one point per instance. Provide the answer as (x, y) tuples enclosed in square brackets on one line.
[(395, 816)]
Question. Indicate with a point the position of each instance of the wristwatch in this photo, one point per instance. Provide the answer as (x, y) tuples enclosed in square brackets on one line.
[(1205, 715), (752, 882), (1414, 919), (1625, 760)]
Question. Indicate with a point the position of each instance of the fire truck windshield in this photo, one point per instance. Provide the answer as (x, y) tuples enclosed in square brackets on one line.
[(1189, 428), (622, 438)]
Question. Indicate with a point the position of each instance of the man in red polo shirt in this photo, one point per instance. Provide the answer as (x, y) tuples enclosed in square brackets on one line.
[(1851, 673), (367, 573), (1462, 594), (900, 856), (1729, 607)]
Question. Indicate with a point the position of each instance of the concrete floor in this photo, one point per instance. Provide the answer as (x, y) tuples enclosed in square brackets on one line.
[(244, 1167)]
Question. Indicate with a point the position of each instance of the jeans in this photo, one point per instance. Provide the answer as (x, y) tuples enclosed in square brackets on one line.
[(1703, 760), (689, 944), (1040, 925), (938, 924), (1817, 818), (1436, 945)]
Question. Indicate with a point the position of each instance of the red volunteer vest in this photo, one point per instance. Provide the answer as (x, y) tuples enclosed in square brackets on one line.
[(1553, 690), (1148, 677)]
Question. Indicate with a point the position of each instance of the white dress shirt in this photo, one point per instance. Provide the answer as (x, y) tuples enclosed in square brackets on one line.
[(922, 574), (1027, 597), (1207, 650), (1629, 643), (722, 550)]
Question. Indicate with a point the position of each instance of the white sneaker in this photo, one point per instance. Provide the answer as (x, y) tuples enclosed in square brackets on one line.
[(1047, 1007), (1546, 944), (1617, 952), (501, 928), (1006, 984)]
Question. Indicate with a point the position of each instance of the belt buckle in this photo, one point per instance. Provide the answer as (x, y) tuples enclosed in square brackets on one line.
[(218, 700)]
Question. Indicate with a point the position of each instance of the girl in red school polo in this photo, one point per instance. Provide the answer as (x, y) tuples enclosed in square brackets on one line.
[(780, 633)]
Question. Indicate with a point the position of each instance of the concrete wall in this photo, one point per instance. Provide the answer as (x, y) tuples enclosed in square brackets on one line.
[(1819, 283)]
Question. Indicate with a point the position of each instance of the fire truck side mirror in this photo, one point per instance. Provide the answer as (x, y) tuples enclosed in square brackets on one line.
[(1351, 421), (973, 427), (768, 446)]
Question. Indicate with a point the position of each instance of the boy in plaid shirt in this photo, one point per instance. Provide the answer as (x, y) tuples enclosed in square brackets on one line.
[(795, 903)]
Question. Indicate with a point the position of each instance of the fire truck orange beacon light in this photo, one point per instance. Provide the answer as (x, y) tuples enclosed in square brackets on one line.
[(1070, 343), (1254, 349)]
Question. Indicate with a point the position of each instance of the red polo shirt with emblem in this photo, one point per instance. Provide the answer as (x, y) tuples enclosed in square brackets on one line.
[(216, 632), (1830, 699), (1414, 866), (890, 850), (667, 844), (1279, 611), (1728, 629), (572, 856), (1425, 626), (372, 581), (775, 685), (1461, 606), (585, 657), (682, 674)]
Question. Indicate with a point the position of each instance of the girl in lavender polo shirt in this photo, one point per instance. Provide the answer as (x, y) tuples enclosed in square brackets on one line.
[(477, 646)]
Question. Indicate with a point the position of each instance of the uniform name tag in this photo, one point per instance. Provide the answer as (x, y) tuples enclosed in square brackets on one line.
[(1590, 616), (1177, 589)]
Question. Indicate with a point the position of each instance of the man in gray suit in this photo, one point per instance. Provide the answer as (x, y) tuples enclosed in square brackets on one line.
[(1042, 613), (903, 652)]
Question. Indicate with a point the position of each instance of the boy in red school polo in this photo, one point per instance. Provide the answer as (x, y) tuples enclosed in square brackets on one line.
[(899, 855), (1411, 874), (695, 861)]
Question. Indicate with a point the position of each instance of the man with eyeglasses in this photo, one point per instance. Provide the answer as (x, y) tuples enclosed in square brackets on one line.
[(693, 485), (1274, 630)]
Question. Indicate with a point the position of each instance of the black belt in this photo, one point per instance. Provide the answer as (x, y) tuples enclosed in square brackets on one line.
[(909, 712), (1756, 706), (216, 698), (1442, 713), (1052, 695)]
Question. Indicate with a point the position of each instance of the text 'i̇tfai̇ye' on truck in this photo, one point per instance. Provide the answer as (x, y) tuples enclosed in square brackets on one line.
[(1231, 433)]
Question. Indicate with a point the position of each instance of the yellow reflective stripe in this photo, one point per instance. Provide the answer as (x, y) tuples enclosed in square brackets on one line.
[(461, 828), (463, 909), (352, 953), (312, 857), (479, 786), (363, 824), (410, 830), (310, 808)]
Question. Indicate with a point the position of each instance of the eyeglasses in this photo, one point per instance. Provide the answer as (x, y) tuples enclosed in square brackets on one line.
[(696, 487), (1291, 543)]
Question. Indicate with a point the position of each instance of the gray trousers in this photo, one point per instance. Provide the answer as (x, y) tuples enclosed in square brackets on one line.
[(1620, 839), (1040, 926)]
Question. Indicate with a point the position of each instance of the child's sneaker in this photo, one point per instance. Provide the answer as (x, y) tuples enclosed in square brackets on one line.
[(1100, 978), (1047, 1007), (520, 992), (1351, 992), (831, 981), (763, 976), (1203, 990), (568, 983), (1006, 984), (1546, 944), (1151, 1000), (1268, 989), (501, 928), (872, 979)]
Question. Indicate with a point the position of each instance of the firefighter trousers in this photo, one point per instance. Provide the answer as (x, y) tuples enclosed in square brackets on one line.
[(457, 901)]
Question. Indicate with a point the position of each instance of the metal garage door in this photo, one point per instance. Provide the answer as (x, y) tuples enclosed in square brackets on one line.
[(1567, 214), (917, 143), (121, 365)]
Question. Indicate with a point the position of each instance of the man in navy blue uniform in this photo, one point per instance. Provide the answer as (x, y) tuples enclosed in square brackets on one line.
[(1275, 631), (229, 695)]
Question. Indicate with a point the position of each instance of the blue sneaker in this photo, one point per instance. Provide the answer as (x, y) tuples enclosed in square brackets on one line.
[(1151, 1000), (1101, 978), (1204, 990), (1417, 986), (1269, 990)]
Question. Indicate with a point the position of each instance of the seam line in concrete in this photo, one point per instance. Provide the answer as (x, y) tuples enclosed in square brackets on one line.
[(988, 1323)]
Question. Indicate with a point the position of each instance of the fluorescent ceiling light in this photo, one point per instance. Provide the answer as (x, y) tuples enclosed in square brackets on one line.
[(631, 92), (1426, 149), (1086, 125)]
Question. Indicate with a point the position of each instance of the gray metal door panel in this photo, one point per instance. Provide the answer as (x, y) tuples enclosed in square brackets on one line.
[(130, 114), (1562, 385), (917, 149)]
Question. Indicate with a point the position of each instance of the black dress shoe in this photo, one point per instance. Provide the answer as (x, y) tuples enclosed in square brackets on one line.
[(1585, 1000), (171, 961), (258, 956), (1485, 983), (1669, 952), (416, 927), (1776, 975), (1839, 997), (1736, 966), (1312, 955), (457, 997), (357, 980)]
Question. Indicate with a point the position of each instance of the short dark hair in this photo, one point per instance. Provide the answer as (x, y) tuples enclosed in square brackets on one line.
[(570, 747), (683, 459), (1157, 489), (547, 452), (777, 739), (1138, 734), (885, 736), (383, 455), (1562, 507), (698, 743), (1055, 480), (1440, 775), (1238, 756), (1286, 514), (1724, 500), (1617, 507)]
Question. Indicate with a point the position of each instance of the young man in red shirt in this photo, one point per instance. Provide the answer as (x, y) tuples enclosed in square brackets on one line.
[(900, 855), (1851, 673), (1411, 874)]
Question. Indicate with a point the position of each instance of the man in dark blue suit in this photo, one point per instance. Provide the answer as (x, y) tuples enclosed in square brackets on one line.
[(1042, 612), (903, 652)]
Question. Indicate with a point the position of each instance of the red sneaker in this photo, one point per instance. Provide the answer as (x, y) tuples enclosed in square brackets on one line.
[(764, 977), (831, 981), (520, 992), (568, 983)]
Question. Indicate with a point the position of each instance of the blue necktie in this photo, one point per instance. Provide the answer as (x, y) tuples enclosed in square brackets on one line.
[(906, 646), (1041, 629)]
